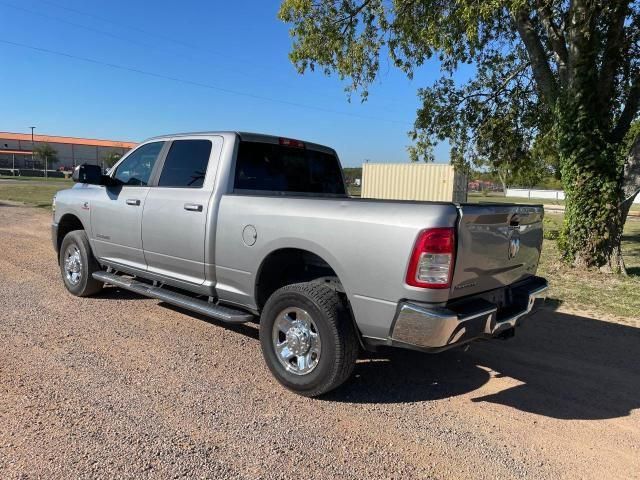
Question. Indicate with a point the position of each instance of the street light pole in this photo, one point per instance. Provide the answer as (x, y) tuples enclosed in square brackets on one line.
[(33, 146)]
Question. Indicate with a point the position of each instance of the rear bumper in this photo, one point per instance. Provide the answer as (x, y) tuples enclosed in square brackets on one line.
[(422, 327)]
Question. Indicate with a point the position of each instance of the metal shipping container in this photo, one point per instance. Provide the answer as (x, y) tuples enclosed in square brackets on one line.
[(413, 181)]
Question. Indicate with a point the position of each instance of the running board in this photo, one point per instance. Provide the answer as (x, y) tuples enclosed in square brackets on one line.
[(219, 312)]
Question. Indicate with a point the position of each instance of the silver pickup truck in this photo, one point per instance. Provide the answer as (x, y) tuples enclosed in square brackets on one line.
[(244, 227)]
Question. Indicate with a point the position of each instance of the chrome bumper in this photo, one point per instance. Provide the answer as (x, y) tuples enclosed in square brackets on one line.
[(418, 326)]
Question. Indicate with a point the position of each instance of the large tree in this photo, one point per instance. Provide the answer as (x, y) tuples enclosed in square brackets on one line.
[(560, 73)]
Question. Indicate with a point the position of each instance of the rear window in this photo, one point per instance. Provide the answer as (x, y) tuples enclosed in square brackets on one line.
[(278, 168), (186, 164)]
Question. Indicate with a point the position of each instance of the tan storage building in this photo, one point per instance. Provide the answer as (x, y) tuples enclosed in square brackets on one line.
[(413, 181)]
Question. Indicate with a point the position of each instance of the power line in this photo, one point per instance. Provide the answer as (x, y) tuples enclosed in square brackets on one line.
[(151, 33), (194, 83), (190, 54), (125, 39), (68, 22)]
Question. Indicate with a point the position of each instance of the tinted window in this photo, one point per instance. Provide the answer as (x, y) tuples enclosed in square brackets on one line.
[(186, 164), (264, 166), (136, 168)]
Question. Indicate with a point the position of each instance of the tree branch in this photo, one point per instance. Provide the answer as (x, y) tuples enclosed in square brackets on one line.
[(492, 95), (582, 40), (354, 13), (613, 53), (538, 58), (556, 39), (630, 111)]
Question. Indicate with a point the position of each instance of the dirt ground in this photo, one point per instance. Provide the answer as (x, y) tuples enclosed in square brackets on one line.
[(122, 386)]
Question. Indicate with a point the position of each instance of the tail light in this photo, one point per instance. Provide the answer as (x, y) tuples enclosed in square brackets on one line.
[(431, 263)]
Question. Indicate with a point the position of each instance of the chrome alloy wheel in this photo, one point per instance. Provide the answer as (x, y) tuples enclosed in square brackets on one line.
[(73, 264), (296, 341)]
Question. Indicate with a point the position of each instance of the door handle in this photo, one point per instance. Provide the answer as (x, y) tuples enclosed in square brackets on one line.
[(193, 207), (133, 201)]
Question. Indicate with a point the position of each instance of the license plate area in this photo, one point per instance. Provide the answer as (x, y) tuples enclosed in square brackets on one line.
[(507, 300)]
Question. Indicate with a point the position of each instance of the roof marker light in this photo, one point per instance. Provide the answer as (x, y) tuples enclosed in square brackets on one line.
[(289, 142)]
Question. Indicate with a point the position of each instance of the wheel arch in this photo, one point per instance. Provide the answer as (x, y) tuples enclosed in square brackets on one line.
[(288, 265), (68, 223)]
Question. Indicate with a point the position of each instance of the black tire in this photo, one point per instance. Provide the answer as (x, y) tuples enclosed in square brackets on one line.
[(85, 285), (339, 342)]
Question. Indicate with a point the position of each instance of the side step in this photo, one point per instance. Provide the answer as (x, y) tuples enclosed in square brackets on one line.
[(219, 312)]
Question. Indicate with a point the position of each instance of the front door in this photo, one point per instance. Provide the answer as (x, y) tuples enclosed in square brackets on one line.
[(174, 222), (116, 212)]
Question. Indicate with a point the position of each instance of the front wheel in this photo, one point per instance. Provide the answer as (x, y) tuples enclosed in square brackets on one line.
[(308, 340), (77, 265)]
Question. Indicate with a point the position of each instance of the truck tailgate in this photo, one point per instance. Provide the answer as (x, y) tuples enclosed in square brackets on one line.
[(498, 244)]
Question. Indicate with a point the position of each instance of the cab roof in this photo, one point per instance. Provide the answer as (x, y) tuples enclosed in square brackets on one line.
[(244, 136)]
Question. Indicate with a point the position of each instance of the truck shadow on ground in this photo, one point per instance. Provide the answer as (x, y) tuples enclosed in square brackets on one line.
[(558, 365), (565, 366), (247, 329), (4, 204), (115, 293)]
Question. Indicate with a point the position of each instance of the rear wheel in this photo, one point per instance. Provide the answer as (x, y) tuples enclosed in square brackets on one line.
[(308, 340), (77, 265)]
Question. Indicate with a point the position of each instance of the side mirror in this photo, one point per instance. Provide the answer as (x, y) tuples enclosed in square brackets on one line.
[(91, 174)]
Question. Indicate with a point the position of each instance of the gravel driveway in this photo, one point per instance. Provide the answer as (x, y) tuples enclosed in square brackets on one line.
[(122, 386)]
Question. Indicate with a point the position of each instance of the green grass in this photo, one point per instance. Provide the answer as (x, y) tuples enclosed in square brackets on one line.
[(354, 191), (594, 291), (65, 181), (32, 190), (39, 195), (498, 197)]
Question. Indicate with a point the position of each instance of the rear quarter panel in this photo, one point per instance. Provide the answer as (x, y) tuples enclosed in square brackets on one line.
[(366, 242)]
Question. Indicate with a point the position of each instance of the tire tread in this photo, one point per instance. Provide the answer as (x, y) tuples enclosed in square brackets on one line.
[(91, 285), (343, 330)]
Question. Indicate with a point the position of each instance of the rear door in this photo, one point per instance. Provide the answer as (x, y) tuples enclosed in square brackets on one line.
[(497, 245), (174, 221)]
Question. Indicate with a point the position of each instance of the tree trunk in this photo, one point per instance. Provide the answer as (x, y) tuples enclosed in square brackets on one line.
[(503, 181), (592, 173), (593, 222), (631, 181), (630, 190), (600, 190)]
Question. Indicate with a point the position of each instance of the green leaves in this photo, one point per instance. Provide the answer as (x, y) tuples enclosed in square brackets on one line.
[(46, 151), (555, 87), (343, 37), (111, 158)]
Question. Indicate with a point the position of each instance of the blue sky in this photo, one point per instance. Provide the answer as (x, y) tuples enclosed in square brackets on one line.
[(233, 53)]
